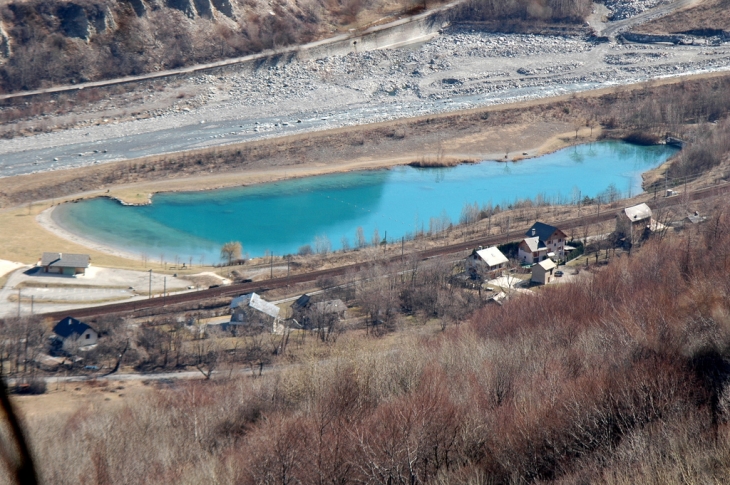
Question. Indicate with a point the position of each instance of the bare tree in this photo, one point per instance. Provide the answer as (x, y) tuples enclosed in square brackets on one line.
[(360, 238), (207, 353), (231, 250)]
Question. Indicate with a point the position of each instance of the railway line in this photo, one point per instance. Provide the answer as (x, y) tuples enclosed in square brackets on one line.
[(280, 282)]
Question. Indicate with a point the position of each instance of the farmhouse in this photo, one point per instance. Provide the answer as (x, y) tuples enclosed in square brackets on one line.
[(543, 272), (486, 263), (65, 264), (542, 241), (252, 310), (634, 221), (70, 332)]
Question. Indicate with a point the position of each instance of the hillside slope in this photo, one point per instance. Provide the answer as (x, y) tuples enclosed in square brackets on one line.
[(44, 43), (56, 42)]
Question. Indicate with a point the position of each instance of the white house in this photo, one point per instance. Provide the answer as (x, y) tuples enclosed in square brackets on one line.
[(251, 309), (633, 221), (487, 262), (543, 272), (65, 264), (74, 333), (542, 241)]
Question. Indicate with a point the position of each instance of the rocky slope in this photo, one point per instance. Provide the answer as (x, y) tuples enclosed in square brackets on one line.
[(54, 42)]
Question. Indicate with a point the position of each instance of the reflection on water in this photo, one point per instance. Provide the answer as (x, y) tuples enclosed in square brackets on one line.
[(280, 217)]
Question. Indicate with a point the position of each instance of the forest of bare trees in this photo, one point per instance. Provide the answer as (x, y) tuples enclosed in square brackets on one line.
[(620, 377)]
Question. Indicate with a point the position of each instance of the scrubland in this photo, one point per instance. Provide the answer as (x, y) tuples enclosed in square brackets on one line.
[(621, 377)]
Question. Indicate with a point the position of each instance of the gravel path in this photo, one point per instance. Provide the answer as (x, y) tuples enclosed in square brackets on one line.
[(458, 69)]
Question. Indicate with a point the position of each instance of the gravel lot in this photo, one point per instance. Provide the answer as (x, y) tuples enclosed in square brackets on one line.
[(458, 69), (99, 285)]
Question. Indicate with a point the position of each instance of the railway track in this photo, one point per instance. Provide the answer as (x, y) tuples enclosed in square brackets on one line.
[(274, 283)]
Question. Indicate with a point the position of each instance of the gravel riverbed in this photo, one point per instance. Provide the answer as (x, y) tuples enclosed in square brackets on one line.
[(456, 70)]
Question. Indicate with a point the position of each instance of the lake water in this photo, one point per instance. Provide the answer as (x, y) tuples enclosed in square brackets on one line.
[(283, 216)]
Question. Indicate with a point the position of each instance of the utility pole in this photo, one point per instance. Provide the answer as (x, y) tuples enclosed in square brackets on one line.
[(150, 289), (164, 292), (271, 265), (402, 246)]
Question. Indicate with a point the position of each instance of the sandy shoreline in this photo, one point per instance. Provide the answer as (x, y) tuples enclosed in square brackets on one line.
[(46, 221)]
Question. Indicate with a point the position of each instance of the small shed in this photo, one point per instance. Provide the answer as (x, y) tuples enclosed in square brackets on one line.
[(695, 218), (543, 272), (487, 262), (70, 332), (65, 264), (301, 304), (251, 309)]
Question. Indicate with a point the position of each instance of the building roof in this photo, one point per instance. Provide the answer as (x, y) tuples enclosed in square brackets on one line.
[(301, 302), (546, 264), (638, 212), (541, 230), (254, 301), (331, 306), (492, 256), (60, 260), (534, 244), (696, 218), (69, 327)]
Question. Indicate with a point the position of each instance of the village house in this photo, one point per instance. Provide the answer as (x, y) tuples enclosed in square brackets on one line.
[(633, 222), (252, 310), (543, 272), (65, 264), (307, 313), (486, 263), (324, 314), (542, 241), (70, 333)]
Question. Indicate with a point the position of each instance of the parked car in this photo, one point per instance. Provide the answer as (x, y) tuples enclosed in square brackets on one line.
[(558, 274)]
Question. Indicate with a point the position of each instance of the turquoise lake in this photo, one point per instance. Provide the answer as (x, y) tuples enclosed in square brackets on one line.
[(281, 217)]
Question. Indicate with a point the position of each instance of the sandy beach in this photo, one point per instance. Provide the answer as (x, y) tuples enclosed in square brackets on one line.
[(46, 221)]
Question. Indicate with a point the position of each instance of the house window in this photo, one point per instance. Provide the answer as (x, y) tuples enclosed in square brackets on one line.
[(88, 336)]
